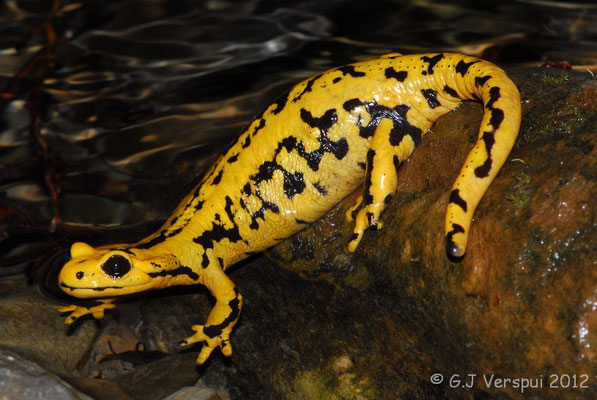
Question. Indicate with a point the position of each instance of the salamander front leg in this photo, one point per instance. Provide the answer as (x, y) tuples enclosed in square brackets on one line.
[(97, 310), (221, 319)]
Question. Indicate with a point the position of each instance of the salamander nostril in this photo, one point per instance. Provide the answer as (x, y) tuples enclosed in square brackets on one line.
[(80, 275)]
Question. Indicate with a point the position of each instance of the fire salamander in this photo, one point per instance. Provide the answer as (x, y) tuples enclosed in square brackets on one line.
[(350, 126)]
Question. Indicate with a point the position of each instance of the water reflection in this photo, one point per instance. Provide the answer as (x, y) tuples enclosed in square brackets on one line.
[(142, 95)]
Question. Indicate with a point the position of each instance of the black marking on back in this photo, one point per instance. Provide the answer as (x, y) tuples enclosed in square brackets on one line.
[(258, 127), (247, 142), (338, 148), (321, 189), (218, 231), (266, 205), (266, 171), (161, 237), (280, 103), (293, 183), (308, 88), (197, 208), (378, 112), (462, 67), (243, 205), (451, 92), (182, 270), (456, 199), (431, 97), (400, 76), (218, 177), (432, 61), (404, 128), (480, 81), (233, 159), (337, 79), (248, 135), (349, 70)]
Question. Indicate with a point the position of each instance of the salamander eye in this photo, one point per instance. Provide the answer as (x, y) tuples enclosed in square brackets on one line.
[(116, 266)]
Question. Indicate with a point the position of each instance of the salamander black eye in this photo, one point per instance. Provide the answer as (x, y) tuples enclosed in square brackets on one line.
[(116, 266)]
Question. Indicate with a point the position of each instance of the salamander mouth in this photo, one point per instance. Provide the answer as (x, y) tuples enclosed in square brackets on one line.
[(95, 289)]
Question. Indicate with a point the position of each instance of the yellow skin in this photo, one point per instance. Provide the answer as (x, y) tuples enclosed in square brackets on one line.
[(312, 147)]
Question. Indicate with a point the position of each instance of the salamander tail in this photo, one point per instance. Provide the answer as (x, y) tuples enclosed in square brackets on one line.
[(477, 79)]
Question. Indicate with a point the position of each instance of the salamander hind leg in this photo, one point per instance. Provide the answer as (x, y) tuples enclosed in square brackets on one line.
[(351, 212), (392, 143), (222, 318)]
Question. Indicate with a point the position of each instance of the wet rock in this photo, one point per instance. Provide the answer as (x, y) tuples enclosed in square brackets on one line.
[(23, 379), (31, 326), (12, 284), (152, 381), (99, 389), (197, 393), (521, 304), (135, 354), (159, 379)]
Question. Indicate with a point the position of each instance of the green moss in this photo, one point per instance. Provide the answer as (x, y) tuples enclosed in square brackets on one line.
[(521, 197), (556, 80), (566, 122), (575, 120)]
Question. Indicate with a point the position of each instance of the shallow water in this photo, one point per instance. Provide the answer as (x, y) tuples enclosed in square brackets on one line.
[(104, 130)]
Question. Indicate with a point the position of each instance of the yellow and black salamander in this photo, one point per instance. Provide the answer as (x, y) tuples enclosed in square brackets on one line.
[(347, 127)]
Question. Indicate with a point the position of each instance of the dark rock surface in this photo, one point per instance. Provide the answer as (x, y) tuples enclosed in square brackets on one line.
[(29, 326)]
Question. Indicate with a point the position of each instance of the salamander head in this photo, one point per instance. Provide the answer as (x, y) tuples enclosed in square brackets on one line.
[(101, 272)]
